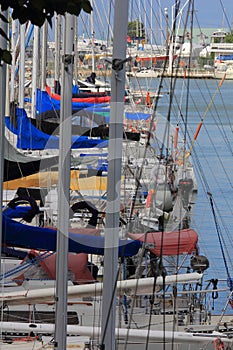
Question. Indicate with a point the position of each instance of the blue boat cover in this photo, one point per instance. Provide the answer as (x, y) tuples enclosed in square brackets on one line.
[(225, 57), (17, 212), (137, 116), (29, 137), (44, 103), (16, 234)]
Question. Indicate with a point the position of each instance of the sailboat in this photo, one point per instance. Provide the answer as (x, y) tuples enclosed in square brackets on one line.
[(151, 310)]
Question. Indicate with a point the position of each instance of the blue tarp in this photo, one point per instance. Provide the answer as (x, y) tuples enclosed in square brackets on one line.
[(75, 89), (44, 103), (137, 116), (17, 212), (16, 234), (29, 137), (225, 57)]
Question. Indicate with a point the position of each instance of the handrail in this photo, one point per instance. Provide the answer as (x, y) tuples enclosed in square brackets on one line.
[(221, 46)]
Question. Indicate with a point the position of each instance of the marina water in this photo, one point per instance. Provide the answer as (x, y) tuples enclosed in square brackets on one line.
[(212, 156)]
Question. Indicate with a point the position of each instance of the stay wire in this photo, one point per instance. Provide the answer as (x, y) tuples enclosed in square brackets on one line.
[(223, 133), (202, 178), (226, 17), (219, 235), (189, 10), (172, 89)]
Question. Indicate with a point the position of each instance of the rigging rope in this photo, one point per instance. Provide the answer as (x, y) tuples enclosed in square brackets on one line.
[(25, 265), (204, 115), (229, 278)]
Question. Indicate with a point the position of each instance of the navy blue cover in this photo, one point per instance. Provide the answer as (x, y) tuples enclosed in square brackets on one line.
[(44, 103), (16, 234), (29, 137)]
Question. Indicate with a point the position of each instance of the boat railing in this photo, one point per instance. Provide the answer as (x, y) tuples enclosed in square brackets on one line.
[(215, 47)]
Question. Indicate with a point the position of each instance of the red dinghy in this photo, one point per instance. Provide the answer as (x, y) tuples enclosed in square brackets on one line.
[(173, 243)]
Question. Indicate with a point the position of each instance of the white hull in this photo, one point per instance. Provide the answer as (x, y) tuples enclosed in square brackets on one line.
[(132, 335), (147, 73), (130, 339), (86, 301), (224, 72), (227, 75)]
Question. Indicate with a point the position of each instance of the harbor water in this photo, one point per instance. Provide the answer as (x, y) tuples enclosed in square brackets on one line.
[(212, 158)]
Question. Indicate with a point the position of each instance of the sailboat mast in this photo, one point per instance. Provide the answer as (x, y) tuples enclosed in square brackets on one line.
[(3, 45), (76, 50), (13, 66), (64, 185), (35, 68), (114, 174), (57, 53), (92, 40), (22, 65), (44, 55)]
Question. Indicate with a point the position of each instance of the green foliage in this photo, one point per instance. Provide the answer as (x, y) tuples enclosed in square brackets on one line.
[(229, 38), (136, 29), (37, 11), (205, 60), (5, 56)]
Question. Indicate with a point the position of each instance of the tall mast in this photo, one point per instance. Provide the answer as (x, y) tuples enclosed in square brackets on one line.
[(57, 29), (22, 65), (160, 22), (151, 23), (64, 185), (13, 43), (35, 68), (44, 55), (3, 45), (76, 50), (92, 40), (114, 174)]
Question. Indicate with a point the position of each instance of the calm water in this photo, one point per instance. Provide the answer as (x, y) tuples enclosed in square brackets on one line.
[(212, 157)]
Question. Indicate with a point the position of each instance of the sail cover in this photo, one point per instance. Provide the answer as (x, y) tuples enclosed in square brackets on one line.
[(17, 165), (16, 234), (29, 137), (45, 263), (170, 243), (46, 101)]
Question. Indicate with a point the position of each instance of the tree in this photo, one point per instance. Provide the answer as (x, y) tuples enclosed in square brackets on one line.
[(229, 38), (136, 29), (37, 11)]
